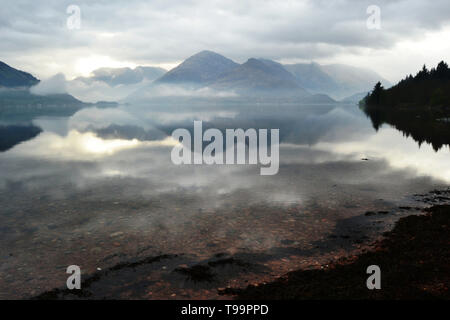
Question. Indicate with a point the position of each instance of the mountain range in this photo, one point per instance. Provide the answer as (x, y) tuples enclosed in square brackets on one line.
[(337, 80), (212, 70), (18, 101), (208, 73), (123, 76), (263, 77)]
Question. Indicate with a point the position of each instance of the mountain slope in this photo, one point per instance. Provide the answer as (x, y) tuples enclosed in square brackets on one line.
[(354, 98), (312, 77), (352, 79), (200, 68), (264, 76), (20, 103), (10, 77), (336, 80)]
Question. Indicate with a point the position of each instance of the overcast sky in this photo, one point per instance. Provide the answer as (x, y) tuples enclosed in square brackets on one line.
[(34, 35)]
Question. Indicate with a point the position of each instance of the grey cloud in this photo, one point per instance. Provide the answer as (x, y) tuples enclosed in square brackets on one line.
[(168, 31)]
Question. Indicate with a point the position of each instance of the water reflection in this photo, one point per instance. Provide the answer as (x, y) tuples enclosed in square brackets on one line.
[(398, 151), (11, 135), (99, 187), (423, 125)]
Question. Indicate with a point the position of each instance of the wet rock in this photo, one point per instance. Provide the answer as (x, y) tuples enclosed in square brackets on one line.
[(96, 250), (116, 234), (197, 273)]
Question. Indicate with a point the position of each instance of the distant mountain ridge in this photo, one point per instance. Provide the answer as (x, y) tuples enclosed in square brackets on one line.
[(208, 74), (259, 75), (312, 77), (11, 77), (17, 99), (20, 103), (337, 80), (123, 76), (354, 98), (263, 77)]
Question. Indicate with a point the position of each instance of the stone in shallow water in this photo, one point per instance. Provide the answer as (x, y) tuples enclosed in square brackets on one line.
[(116, 234)]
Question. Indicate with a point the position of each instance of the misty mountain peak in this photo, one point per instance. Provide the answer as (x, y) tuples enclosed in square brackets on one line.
[(206, 54), (202, 67), (336, 80), (254, 62), (123, 76)]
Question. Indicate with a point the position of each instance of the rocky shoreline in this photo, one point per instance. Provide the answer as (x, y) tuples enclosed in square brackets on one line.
[(413, 256), (414, 259)]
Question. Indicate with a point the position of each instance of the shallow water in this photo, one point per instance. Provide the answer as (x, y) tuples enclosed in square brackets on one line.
[(99, 188)]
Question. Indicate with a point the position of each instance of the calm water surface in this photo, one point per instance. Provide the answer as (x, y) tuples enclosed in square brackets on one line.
[(98, 188)]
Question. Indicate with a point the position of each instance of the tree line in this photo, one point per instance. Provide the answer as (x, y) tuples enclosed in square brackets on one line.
[(428, 88)]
